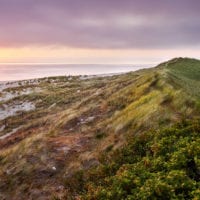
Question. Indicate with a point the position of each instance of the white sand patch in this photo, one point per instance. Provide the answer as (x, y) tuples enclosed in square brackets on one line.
[(5, 96), (6, 85), (10, 133), (64, 149), (87, 120), (13, 109), (2, 128), (14, 84)]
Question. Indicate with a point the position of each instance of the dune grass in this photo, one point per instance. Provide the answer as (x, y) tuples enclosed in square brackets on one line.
[(77, 121)]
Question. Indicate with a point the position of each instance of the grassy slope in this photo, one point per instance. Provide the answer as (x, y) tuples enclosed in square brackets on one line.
[(76, 121), (186, 73)]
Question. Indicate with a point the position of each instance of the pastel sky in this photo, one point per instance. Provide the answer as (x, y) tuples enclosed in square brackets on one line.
[(98, 31)]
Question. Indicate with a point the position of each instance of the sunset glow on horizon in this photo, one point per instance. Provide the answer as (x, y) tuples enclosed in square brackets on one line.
[(60, 55), (101, 32)]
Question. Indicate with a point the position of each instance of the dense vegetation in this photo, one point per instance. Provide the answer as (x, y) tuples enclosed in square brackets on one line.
[(157, 163), (162, 164), (103, 137)]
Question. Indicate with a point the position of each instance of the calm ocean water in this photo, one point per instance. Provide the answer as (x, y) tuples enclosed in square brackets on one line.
[(21, 72)]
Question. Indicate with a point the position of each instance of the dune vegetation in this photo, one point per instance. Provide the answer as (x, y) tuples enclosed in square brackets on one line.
[(127, 136)]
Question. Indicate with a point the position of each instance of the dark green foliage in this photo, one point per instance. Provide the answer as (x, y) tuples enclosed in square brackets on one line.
[(100, 135), (161, 164)]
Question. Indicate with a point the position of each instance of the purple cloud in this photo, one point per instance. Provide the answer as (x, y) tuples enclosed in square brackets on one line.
[(100, 24)]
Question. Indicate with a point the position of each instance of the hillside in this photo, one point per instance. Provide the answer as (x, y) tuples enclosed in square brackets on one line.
[(57, 134)]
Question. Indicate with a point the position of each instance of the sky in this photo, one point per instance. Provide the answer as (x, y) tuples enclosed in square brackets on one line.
[(98, 31)]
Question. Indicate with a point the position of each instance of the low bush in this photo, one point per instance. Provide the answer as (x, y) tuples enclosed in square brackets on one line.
[(161, 164)]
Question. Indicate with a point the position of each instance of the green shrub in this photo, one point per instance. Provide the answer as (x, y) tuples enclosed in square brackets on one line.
[(161, 164)]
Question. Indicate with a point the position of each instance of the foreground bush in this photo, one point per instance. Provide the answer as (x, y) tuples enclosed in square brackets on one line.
[(157, 165)]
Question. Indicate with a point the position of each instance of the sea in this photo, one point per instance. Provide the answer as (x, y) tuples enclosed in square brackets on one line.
[(11, 72)]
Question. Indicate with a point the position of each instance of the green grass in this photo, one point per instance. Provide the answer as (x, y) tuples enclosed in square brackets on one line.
[(185, 73), (123, 106)]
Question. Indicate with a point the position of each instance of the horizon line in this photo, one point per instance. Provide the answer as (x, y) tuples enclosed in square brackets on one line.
[(19, 63)]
